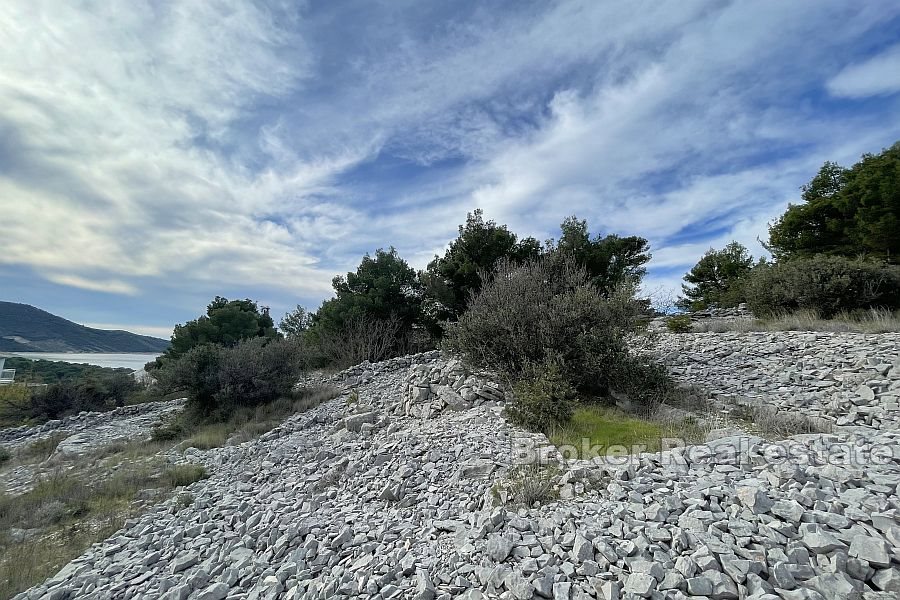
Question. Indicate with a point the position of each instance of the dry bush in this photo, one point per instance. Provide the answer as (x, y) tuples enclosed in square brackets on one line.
[(359, 340), (528, 485)]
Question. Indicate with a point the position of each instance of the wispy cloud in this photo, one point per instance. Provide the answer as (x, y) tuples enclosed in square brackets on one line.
[(171, 152), (878, 75)]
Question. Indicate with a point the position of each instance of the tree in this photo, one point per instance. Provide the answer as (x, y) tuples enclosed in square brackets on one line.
[(383, 288), (610, 260), (718, 278), (295, 323), (845, 212), (452, 279), (225, 324)]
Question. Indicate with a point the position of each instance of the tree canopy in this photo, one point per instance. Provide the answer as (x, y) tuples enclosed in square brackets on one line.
[(610, 260), (383, 287), (450, 280), (225, 323), (845, 212), (718, 278), (294, 323)]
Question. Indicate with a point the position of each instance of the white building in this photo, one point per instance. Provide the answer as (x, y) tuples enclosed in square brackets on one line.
[(6, 375)]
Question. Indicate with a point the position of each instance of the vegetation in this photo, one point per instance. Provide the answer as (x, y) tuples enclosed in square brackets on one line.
[(863, 321), (225, 323), (550, 331), (373, 314), (528, 485), (91, 389), (845, 212), (450, 280), (825, 284), (680, 324), (218, 379), (598, 431), (65, 513), (718, 279), (244, 422), (611, 261), (50, 371), (295, 323)]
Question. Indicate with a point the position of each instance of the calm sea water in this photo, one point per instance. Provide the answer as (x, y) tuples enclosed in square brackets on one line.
[(128, 360)]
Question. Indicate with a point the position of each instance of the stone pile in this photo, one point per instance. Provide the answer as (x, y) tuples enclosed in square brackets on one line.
[(363, 372), (93, 429), (437, 385), (846, 378), (355, 499)]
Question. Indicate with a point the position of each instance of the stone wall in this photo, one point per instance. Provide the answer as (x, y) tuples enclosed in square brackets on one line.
[(740, 312)]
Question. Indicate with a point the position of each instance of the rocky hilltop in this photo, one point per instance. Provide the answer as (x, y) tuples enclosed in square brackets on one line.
[(397, 488)]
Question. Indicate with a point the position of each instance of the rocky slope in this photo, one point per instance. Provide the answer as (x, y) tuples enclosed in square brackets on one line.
[(394, 491)]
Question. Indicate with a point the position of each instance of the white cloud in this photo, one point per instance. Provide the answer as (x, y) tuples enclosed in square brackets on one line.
[(115, 113), (878, 75), (164, 332), (111, 286), (148, 147)]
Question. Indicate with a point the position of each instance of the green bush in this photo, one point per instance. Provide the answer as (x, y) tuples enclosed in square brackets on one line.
[(550, 332), (680, 324), (219, 379), (542, 312), (828, 285), (542, 398)]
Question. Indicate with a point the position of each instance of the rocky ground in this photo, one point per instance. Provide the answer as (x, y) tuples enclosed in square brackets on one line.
[(395, 491)]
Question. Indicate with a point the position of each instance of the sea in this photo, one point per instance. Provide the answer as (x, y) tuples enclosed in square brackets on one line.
[(128, 360)]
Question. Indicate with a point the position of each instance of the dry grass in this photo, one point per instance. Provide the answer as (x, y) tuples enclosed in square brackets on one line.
[(41, 449), (528, 485), (248, 423), (65, 513), (870, 321), (771, 423)]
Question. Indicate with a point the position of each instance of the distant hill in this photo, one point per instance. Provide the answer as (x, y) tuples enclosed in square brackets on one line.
[(24, 328)]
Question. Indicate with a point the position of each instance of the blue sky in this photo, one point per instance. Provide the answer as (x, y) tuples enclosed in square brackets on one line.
[(153, 155)]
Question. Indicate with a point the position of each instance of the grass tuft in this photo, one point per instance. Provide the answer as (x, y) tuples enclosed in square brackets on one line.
[(869, 321)]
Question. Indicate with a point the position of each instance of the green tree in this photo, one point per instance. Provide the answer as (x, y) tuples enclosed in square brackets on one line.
[(845, 212), (295, 323), (718, 279), (225, 323), (452, 279), (610, 260), (383, 288)]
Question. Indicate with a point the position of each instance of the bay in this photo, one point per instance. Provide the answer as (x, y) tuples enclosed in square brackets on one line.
[(128, 360)]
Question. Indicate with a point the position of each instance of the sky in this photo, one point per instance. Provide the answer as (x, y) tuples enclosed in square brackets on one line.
[(156, 154)]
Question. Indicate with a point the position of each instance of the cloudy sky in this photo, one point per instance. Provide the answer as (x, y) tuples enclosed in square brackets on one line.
[(155, 154)]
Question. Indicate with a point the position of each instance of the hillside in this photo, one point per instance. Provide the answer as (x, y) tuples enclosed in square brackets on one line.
[(24, 328)]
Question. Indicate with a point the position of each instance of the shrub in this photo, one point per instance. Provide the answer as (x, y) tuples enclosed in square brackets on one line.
[(543, 311), (528, 485), (218, 379), (542, 398), (680, 324), (4, 456), (825, 284), (645, 383), (550, 332)]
